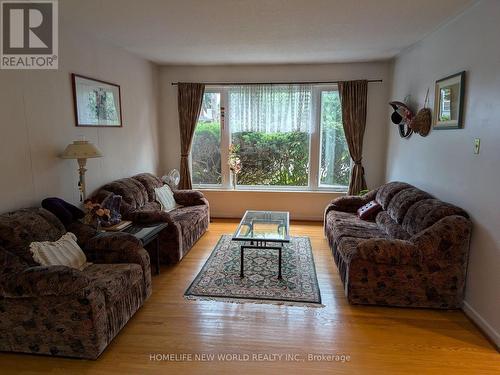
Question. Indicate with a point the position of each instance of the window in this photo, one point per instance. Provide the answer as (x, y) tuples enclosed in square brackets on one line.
[(335, 162), (270, 128), (206, 146), (285, 136)]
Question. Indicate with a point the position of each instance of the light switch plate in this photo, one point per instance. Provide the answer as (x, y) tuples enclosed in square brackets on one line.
[(477, 145)]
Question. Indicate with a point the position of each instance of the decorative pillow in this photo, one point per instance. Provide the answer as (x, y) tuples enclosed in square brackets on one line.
[(369, 211), (63, 252), (112, 202), (165, 197)]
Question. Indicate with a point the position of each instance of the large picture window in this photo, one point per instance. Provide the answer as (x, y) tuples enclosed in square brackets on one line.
[(285, 136)]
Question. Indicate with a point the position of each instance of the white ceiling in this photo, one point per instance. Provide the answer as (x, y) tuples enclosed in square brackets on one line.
[(260, 31)]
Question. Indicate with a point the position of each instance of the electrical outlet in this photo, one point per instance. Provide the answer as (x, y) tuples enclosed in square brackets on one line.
[(477, 145)]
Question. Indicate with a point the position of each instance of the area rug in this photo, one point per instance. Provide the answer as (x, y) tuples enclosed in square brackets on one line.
[(219, 279)]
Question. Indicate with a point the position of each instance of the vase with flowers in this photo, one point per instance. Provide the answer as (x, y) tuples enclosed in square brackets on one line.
[(234, 163), (95, 214)]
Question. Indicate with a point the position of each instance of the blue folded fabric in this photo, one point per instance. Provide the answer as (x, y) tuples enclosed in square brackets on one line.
[(64, 211)]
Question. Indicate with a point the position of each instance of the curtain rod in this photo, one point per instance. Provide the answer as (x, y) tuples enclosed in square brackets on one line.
[(274, 83)]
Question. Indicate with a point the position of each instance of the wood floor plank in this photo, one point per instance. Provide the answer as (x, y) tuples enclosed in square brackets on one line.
[(377, 340)]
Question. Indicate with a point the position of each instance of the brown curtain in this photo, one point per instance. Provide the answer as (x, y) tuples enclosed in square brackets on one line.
[(353, 96), (189, 99)]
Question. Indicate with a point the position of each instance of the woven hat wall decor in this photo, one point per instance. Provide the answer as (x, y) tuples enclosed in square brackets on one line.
[(402, 117), (421, 123)]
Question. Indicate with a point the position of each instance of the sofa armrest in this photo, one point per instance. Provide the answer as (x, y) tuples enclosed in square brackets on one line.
[(385, 251), (351, 203), (113, 241), (189, 197), (446, 240), (83, 232), (45, 281), (110, 248)]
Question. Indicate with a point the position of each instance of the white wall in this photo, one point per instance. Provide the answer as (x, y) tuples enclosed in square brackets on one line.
[(308, 205), (226, 204), (443, 163), (37, 122)]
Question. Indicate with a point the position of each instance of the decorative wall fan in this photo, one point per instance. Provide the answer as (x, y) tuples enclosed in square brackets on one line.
[(172, 179)]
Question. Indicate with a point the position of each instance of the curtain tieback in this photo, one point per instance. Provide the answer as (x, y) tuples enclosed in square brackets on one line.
[(184, 155), (357, 162)]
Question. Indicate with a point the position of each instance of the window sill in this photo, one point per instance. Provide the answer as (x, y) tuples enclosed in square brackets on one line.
[(278, 191)]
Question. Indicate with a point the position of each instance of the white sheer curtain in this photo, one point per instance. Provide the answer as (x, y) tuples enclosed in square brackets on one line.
[(270, 108)]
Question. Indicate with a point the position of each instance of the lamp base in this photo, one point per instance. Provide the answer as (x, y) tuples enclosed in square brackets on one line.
[(81, 181)]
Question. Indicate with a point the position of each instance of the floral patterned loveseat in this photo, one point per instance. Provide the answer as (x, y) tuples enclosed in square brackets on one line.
[(414, 254), (58, 310), (186, 224)]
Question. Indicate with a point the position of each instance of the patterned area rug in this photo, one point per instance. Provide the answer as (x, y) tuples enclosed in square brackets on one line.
[(219, 279)]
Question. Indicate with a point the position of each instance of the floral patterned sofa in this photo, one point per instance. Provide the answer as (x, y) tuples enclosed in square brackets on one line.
[(185, 224), (414, 254), (58, 310)]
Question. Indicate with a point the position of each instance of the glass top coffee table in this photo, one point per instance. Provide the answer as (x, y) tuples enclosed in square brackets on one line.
[(263, 230)]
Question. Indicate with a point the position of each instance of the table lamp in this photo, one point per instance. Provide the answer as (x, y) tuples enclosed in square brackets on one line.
[(81, 151)]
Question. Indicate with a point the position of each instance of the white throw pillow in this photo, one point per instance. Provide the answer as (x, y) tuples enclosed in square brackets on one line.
[(165, 197), (63, 252)]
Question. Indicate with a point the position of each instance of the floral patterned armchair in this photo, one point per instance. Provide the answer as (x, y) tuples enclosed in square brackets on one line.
[(63, 311)]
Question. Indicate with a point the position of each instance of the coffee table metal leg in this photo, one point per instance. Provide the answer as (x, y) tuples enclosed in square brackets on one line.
[(241, 261), (279, 269)]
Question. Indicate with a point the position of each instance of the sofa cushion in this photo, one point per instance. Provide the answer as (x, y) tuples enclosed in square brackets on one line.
[(345, 224), (114, 280), (403, 200), (390, 227), (20, 228), (386, 192), (150, 182), (427, 212), (11, 263), (188, 215), (151, 206), (133, 193)]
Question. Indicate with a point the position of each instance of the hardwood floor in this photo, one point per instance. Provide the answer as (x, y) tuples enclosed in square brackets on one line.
[(377, 340)]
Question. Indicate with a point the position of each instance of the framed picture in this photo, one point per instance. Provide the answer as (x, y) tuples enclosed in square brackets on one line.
[(449, 102), (97, 103)]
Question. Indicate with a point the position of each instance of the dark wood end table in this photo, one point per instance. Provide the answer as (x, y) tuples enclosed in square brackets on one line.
[(148, 233)]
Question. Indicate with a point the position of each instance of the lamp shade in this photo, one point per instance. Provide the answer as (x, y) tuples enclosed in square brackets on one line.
[(81, 150)]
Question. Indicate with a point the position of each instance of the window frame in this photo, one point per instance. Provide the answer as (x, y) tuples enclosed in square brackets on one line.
[(223, 149), (314, 148)]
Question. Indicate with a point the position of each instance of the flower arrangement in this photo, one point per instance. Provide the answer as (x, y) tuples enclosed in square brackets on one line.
[(95, 214), (234, 162)]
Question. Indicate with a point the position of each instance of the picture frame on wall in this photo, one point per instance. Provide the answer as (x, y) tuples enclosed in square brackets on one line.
[(449, 102), (97, 103)]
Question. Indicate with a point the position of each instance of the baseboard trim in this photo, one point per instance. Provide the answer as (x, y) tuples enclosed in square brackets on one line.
[(484, 326)]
